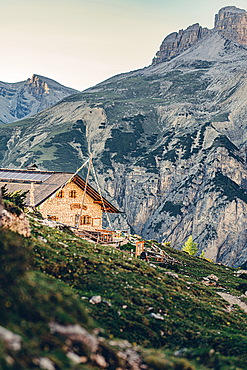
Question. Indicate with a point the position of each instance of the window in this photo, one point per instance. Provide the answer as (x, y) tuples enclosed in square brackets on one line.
[(60, 194), (52, 218), (72, 194), (96, 221), (85, 220)]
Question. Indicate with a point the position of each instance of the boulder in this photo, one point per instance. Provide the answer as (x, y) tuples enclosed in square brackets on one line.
[(13, 341), (19, 224)]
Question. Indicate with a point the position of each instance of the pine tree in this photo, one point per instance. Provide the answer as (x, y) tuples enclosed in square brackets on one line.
[(190, 247)]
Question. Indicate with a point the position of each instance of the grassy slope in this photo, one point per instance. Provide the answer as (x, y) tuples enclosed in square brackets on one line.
[(194, 315)]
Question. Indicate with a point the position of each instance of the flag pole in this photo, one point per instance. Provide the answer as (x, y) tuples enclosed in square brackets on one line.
[(79, 221)]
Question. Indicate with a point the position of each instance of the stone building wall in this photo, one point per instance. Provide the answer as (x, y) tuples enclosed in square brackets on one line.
[(65, 209)]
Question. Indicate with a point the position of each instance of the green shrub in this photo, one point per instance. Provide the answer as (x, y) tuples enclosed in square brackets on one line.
[(242, 287), (190, 247), (243, 276), (14, 202)]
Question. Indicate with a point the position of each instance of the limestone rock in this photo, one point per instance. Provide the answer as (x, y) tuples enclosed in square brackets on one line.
[(176, 43), (231, 22), (157, 316), (46, 363), (100, 361), (213, 277), (96, 299), (76, 333), (13, 341), (169, 142), (17, 224), (26, 98), (233, 300), (169, 273), (76, 359)]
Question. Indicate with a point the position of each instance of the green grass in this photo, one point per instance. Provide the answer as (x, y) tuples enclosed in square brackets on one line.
[(93, 270), (194, 315)]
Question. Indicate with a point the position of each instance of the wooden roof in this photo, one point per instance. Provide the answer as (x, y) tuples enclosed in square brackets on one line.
[(47, 183)]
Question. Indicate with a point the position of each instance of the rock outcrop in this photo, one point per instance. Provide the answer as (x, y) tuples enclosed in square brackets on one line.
[(230, 23), (176, 43), (19, 224), (23, 99), (169, 144)]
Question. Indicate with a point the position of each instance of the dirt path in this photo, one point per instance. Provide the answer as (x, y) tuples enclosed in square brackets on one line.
[(233, 300)]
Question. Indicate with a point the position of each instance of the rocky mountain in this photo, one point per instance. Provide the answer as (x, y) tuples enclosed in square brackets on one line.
[(24, 99), (169, 142), (230, 22), (176, 43)]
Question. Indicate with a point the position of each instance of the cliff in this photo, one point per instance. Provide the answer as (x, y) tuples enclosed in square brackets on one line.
[(169, 144), (230, 23), (176, 43)]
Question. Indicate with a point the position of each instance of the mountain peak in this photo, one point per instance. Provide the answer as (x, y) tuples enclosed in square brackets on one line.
[(23, 99), (34, 78), (36, 86), (230, 23), (176, 43)]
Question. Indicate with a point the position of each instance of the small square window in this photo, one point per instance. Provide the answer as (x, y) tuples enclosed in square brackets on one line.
[(96, 222)]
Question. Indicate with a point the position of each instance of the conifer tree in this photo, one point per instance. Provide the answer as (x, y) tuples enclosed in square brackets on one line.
[(190, 247)]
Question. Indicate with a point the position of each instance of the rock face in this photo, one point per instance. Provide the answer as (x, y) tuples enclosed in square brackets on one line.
[(169, 144), (24, 99), (176, 43), (230, 22), (19, 224)]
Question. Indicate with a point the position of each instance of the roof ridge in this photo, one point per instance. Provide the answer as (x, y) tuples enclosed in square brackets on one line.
[(34, 171)]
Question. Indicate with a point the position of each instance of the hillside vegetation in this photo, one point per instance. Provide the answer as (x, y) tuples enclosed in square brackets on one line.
[(168, 142), (144, 312)]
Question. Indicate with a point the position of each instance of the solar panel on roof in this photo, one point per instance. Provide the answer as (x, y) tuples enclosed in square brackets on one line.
[(24, 176)]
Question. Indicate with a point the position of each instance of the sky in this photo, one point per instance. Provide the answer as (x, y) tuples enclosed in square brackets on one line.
[(80, 43)]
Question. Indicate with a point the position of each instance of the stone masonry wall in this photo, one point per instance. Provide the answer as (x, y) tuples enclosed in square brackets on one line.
[(65, 209)]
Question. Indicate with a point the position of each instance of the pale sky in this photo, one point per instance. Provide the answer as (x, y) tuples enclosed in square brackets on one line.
[(80, 43)]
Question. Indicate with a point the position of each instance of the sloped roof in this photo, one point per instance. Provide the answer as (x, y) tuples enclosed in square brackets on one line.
[(46, 183)]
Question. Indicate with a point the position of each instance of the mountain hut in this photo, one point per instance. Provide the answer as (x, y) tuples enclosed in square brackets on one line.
[(63, 206)]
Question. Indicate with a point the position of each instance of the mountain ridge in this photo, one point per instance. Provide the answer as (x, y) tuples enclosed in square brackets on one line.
[(23, 99), (230, 23), (169, 144)]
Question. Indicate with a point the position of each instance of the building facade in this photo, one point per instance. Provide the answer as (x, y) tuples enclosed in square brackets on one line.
[(65, 207), (58, 196)]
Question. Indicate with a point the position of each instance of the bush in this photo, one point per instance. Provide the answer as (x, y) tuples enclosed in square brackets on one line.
[(190, 247), (242, 287), (14, 202)]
